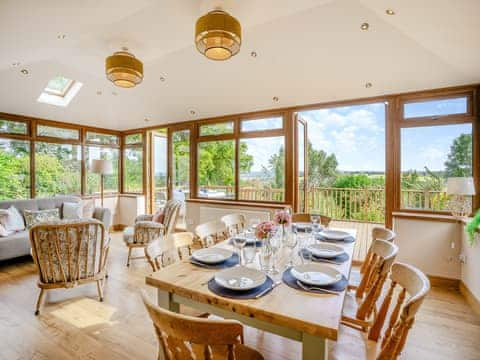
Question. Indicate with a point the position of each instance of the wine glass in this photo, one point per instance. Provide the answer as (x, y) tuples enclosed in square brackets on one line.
[(239, 242), (253, 223), (305, 254), (249, 253)]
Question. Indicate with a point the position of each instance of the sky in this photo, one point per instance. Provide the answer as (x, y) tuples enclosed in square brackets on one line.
[(356, 135)]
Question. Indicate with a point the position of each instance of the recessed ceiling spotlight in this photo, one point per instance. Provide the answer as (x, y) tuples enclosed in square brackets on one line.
[(275, 98), (253, 54), (365, 26), (390, 12), (24, 71), (192, 112), (99, 92), (61, 36), (162, 78), (16, 64), (368, 85)]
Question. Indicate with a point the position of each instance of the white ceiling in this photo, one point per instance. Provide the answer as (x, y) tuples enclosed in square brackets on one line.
[(309, 51)]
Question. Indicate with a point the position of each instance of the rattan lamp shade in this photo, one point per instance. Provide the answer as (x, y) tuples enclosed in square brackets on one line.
[(124, 69), (218, 35)]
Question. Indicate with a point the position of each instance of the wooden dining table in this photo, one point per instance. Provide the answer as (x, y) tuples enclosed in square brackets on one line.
[(310, 318)]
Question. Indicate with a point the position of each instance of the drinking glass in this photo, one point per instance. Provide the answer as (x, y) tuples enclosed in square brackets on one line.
[(249, 253), (265, 258), (291, 243), (239, 242), (315, 220), (275, 242), (253, 222)]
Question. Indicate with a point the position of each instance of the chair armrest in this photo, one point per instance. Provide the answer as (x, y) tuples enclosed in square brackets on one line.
[(146, 217), (149, 224), (104, 215)]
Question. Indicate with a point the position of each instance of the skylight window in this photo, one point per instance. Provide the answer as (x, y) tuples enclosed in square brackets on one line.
[(59, 91)]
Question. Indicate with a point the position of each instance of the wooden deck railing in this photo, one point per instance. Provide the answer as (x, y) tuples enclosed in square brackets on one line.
[(338, 203)]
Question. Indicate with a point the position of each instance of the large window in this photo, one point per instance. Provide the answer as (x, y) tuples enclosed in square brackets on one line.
[(429, 156), (262, 169), (57, 169), (14, 169), (93, 180), (133, 170), (216, 169)]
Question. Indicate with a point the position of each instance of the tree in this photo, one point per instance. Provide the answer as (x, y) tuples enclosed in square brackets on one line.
[(322, 168), (459, 161)]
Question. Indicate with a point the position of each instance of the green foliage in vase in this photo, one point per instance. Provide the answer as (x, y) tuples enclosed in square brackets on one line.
[(472, 227)]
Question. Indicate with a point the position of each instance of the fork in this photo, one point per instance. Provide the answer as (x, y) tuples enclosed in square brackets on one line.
[(317, 289), (274, 285)]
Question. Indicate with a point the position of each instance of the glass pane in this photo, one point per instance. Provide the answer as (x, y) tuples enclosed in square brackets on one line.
[(216, 169), (105, 139), (216, 129), (301, 165), (58, 85), (133, 139), (57, 169), (429, 156), (160, 169), (14, 169), (262, 124), (62, 133), (346, 162), (436, 107), (181, 164), (12, 127), (133, 174), (262, 169), (93, 180)]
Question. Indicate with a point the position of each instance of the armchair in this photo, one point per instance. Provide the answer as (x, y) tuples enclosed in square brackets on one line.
[(146, 230)]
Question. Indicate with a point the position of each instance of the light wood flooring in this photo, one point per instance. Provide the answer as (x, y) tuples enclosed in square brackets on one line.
[(74, 325)]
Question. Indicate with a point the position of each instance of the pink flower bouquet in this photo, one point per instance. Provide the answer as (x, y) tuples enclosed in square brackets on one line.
[(283, 217), (264, 229)]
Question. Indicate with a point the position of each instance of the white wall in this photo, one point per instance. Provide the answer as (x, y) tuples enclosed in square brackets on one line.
[(432, 246), (124, 208), (470, 272)]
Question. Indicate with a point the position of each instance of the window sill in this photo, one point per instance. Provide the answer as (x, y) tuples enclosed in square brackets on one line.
[(239, 203), (426, 216)]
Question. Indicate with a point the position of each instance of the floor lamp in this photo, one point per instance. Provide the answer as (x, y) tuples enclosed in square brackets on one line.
[(102, 167)]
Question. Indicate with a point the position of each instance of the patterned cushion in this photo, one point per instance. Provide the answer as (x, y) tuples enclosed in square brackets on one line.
[(33, 217)]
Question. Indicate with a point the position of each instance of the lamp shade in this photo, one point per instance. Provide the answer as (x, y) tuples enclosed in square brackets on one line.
[(102, 167), (460, 186)]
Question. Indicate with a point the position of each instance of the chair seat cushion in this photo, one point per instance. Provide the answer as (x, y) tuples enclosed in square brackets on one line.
[(128, 234)]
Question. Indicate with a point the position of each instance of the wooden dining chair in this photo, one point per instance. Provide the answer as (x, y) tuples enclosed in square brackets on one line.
[(190, 338), (234, 223), (378, 233), (360, 310), (159, 255), (210, 233), (68, 254), (302, 217)]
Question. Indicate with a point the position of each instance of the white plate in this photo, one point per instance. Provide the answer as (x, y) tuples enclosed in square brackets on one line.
[(335, 234), (240, 278), (212, 255), (316, 274), (250, 240), (326, 251)]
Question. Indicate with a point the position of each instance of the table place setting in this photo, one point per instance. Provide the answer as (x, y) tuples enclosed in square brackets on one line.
[(325, 252), (315, 278), (335, 236), (214, 258), (248, 241)]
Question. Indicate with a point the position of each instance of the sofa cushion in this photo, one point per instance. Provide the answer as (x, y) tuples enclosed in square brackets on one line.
[(14, 220), (72, 210), (33, 217), (14, 245)]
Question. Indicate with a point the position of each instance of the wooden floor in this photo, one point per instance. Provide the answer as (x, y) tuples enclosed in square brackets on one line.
[(74, 325), (364, 235)]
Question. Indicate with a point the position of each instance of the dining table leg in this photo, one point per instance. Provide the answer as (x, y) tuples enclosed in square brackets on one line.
[(314, 347), (165, 301)]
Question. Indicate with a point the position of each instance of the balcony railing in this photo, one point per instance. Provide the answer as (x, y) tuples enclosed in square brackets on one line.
[(339, 203)]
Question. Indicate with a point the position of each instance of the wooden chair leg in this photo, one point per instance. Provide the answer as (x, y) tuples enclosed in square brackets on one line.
[(100, 290), (129, 255), (39, 301), (149, 259)]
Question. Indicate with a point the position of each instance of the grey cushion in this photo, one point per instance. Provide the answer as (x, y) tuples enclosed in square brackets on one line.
[(17, 244), (128, 234)]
